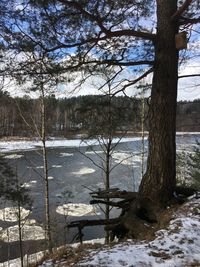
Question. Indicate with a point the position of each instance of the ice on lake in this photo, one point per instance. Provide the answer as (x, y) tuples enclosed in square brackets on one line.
[(10, 214), (29, 232), (13, 156), (76, 210), (84, 170)]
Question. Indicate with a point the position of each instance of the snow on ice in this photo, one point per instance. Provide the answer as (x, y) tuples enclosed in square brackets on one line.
[(84, 170), (66, 154), (9, 146), (77, 210), (29, 184), (29, 232), (10, 214)]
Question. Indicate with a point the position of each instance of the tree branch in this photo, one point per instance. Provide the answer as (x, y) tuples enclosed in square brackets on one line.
[(180, 11), (188, 76), (115, 194), (189, 21), (85, 223), (120, 204), (135, 81), (118, 63), (92, 17), (107, 32)]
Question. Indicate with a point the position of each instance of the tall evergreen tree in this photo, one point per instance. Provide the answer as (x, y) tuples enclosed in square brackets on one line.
[(139, 35)]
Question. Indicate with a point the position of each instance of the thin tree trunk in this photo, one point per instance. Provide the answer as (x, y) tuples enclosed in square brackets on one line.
[(107, 187), (8, 235), (20, 233), (45, 166), (159, 181)]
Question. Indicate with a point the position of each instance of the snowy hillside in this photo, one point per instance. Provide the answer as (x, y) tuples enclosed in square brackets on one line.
[(176, 246)]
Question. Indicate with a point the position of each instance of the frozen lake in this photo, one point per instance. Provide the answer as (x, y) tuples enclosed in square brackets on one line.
[(72, 176)]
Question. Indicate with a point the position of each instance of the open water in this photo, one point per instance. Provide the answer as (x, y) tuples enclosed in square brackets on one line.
[(72, 176)]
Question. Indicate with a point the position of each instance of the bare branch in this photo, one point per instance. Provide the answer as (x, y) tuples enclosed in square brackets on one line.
[(93, 161), (123, 63), (182, 9), (189, 21), (85, 223), (115, 194), (188, 76), (120, 204), (135, 81)]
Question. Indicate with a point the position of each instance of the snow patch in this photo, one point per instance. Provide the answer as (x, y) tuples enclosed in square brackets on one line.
[(13, 156), (66, 154), (76, 210), (9, 146), (39, 167), (29, 184), (93, 152), (10, 214), (84, 170), (126, 158), (56, 166), (29, 232), (176, 246), (30, 221), (50, 177)]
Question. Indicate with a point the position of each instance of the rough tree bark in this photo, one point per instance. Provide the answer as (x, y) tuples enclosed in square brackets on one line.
[(159, 180)]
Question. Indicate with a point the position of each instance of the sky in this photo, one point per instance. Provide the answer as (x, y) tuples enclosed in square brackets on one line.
[(188, 88)]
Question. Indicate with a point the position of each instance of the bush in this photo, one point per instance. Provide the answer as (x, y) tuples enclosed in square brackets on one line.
[(188, 168)]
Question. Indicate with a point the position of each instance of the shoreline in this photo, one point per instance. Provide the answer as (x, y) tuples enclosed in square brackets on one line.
[(8, 145), (79, 136)]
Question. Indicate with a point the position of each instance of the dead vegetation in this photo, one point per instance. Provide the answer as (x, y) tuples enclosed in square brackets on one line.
[(71, 256)]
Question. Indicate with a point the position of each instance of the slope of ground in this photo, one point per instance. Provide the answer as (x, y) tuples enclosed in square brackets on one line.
[(176, 246)]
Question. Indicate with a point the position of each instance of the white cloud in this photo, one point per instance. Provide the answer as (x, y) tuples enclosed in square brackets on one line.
[(188, 88)]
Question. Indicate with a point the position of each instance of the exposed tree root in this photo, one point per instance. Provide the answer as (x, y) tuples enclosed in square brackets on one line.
[(137, 213)]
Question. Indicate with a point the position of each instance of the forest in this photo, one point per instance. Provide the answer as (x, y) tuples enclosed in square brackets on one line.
[(66, 117)]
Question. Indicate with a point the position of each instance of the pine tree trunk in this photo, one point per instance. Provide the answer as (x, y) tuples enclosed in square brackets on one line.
[(159, 181)]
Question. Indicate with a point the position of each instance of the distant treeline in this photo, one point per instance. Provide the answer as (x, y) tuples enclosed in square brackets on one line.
[(22, 116)]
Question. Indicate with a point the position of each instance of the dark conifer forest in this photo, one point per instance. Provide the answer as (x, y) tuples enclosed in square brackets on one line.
[(69, 116)]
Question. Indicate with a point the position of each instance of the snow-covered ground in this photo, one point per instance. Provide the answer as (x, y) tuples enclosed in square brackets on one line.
[(176, 246), (11, 146)]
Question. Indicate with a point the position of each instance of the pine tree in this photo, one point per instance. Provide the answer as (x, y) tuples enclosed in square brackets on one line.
[(83, 35)]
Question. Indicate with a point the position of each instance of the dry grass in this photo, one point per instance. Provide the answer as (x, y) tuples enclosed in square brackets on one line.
[(68, 254), (143, 231)]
